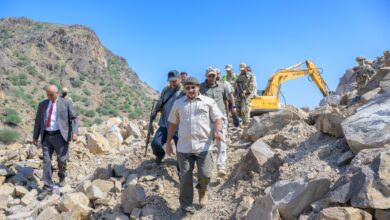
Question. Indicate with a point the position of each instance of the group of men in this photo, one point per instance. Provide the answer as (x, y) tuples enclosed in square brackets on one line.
[(195, 116)]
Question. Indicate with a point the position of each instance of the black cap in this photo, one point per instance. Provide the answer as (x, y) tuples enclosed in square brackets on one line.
[(191, 81), (173, 75)]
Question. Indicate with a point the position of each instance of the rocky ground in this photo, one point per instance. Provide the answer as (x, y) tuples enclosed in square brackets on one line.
[(329, 163)]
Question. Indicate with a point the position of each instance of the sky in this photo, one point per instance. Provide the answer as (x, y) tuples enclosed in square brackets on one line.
[(158, 36)]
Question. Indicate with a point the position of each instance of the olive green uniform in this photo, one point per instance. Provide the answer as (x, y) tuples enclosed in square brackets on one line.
[(245, 90)]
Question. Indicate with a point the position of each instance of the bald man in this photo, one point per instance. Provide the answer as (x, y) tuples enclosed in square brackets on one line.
[(56, 123)]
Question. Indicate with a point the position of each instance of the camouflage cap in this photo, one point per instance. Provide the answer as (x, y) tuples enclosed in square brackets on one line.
[(64, 89), (360, 58), (243, 66), (191, 81), (211, 71), (228, 67)]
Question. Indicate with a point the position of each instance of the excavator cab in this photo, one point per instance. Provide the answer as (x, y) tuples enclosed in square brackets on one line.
[(268, 100)]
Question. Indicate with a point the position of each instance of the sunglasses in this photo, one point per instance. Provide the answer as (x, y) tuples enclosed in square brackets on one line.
[(211, 76), (190, 87)]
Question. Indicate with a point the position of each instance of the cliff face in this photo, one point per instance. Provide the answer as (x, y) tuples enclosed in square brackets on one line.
[(34, 54)]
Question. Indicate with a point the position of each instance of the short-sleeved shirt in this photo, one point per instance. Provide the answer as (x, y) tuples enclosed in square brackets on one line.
[(195, 119), (219, 92)]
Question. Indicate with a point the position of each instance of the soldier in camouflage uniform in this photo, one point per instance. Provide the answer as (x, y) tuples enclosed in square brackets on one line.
[(245, 90), (364, 72)]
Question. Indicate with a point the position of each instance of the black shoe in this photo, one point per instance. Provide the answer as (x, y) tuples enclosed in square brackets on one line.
[(188, 211), (158, 161), (43, 194)]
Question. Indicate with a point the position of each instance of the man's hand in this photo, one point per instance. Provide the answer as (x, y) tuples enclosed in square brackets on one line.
[(74, 137), (169, 150), (218, 135), (35, 142)]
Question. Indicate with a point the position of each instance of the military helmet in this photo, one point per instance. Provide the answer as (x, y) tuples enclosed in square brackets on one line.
[(360, 58), (243, 66)]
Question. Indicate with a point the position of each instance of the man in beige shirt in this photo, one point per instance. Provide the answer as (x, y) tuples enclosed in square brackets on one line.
[(199, 120)]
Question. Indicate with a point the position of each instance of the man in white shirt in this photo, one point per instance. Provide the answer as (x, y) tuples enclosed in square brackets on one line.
[(199, 120)]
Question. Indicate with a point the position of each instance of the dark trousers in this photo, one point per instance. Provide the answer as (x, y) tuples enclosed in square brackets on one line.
[(50, 144), (160, 138), (204, 162)]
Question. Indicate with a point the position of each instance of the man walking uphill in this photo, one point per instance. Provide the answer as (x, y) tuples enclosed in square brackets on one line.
[(199, 121), (56, 123), (168, 96)]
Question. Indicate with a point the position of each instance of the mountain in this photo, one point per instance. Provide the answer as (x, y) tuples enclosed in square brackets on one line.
[(35, 54)]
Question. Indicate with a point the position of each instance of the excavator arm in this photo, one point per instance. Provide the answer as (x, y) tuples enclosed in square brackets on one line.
[(269, 101)]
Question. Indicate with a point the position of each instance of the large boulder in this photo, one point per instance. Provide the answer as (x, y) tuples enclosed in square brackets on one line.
[(290, 136), (104, 185), (259, 158), (132, 197), (273, 122), (114, 136), (344, 213), (288, 199), (71, 200), (97, 143), (365, 183), (370, 126), (329, 122), (134, 130), (49, 213)]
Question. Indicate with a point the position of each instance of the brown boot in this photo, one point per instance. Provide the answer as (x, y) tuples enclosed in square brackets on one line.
[(203, 198)]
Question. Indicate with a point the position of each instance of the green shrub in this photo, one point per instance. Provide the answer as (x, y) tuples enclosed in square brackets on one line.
[(98, 121), (90, 113), (32, 71), (19, 93), (102, 110), (87, 122), (75, 97), (83, 76), (42, 77), (86, 91), (11, 117), (19, 80), (76, 83), (8, 136)]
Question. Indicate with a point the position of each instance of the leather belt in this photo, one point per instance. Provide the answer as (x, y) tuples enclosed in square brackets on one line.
[(52, 132)]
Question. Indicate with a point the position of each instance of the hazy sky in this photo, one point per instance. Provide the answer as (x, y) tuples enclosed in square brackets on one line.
[(157, 36)]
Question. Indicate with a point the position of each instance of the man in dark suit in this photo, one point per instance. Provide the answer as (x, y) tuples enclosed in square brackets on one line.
[(56, 123)]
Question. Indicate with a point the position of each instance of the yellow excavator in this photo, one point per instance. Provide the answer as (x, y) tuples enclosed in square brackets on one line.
[(269, 100)]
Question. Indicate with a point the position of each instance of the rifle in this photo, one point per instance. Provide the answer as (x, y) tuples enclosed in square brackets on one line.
[(150, 128)]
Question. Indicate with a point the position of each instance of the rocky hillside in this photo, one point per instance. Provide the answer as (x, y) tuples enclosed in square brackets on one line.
[(34, 54), (331, 163)]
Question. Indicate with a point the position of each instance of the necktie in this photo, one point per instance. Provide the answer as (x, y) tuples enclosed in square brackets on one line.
[(50, 112)]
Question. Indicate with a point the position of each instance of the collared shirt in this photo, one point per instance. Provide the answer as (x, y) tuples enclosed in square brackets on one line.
[(172, 95), (195, 119), (219, 92), (54, 117)]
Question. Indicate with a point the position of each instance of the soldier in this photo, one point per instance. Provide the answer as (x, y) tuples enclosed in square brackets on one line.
[(169, 95), (364, 72), (183, 76), (65, 93), (245, 90), (220, 92), (230, 76)]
